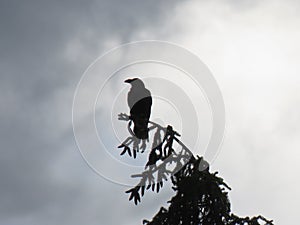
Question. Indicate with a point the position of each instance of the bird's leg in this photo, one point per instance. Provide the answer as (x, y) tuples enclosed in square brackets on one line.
[(136, 144), (143, 146)]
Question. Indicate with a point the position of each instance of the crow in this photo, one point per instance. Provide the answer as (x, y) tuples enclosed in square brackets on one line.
[(139, 101)]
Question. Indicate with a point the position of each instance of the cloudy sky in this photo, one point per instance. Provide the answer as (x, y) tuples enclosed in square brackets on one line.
[(251, 47)]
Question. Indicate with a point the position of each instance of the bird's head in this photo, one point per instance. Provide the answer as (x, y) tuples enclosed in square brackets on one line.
[(129, 81), (135, 82)]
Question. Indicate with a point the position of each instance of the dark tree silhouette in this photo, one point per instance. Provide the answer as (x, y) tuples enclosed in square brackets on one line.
[(201, 196)]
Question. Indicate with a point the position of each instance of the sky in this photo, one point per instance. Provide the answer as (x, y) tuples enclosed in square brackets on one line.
[(251, 48)]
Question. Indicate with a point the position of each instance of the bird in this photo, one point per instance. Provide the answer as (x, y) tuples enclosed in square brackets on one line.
[(139, 101)]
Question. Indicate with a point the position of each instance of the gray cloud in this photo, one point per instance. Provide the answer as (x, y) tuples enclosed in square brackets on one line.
[(44, 49), (44, 178)]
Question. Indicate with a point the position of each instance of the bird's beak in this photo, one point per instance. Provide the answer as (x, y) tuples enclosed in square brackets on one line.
[(128, 81)]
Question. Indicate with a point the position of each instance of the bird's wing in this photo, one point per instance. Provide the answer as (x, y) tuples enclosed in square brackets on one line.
[(130, 99)]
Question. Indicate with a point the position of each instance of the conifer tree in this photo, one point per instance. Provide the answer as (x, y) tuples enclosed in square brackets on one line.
[(201, 196)]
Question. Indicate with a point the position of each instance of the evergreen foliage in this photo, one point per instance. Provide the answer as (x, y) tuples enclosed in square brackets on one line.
[(201, 196)]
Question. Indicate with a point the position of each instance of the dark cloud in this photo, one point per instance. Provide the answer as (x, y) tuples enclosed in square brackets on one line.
[(44, 178)]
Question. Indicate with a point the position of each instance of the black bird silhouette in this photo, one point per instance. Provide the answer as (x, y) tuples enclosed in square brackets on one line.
[(139, 101)]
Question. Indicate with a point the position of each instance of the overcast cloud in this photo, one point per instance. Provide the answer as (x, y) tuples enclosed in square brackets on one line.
[(251, 47)]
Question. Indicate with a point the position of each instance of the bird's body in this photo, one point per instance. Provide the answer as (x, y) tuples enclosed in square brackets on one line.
[(139, 101)]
